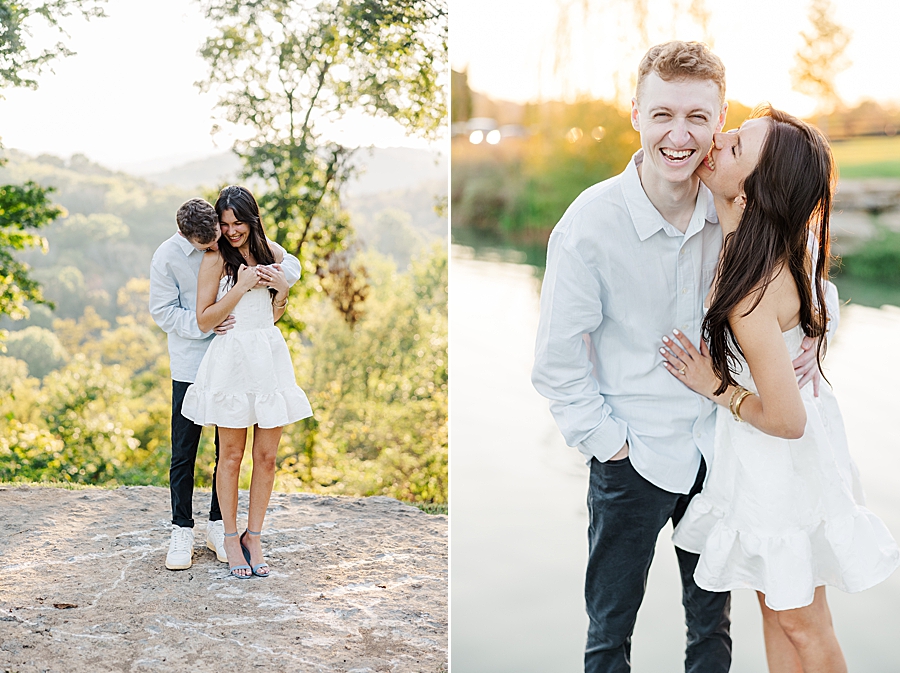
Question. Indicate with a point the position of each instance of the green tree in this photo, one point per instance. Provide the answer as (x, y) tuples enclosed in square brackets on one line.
[(19, 64), (378, 389), (39, 348), (10, 370), (821, 58), (285, 69), (25, 208)]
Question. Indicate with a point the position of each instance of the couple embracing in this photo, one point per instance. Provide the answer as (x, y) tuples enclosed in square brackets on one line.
[(217, 287), (685, 310)]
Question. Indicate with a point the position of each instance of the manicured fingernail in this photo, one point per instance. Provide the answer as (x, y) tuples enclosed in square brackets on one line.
[(662, 350), (666, 339), (675, 331)]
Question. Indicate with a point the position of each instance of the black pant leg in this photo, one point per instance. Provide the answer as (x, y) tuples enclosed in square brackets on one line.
[(707, 613), (214, 513), (185, 439), (626, 514)]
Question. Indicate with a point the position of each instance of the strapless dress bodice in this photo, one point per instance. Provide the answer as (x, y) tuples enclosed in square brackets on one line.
[(253, 311)]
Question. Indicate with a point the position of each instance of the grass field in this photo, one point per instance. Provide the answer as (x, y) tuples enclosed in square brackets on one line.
[(868, 157)]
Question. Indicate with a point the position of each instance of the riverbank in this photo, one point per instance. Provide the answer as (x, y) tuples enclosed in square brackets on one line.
[(518, 492), (358, 584)]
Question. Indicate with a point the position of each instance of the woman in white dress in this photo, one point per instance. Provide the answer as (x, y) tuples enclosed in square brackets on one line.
[(246, 378), (782, 510)]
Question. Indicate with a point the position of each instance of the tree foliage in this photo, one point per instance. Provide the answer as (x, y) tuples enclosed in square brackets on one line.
[(285, 70), (23, 208), (821, 58), (39, 348), (578, 23), (378, 389), (26, 208), (19, 63)]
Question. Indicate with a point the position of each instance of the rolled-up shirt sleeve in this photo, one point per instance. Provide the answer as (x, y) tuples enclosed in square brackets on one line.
[(571, 306), (165, 305), (833, 307), (832, 300), (290, 265)]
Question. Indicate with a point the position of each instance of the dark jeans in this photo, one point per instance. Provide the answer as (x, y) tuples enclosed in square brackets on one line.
[(185, 440), (626, 514)]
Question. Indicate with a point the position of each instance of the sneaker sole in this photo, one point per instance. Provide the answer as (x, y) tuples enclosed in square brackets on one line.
[(178, 567), (212, 548)]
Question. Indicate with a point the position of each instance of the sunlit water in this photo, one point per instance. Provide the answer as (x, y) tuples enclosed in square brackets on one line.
[(519, 521)]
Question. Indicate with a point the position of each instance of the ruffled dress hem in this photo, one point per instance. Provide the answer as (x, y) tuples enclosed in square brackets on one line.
[(243, 410), (852, 553)]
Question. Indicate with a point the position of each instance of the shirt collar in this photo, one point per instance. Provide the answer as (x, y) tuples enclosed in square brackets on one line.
[(647, 219), (185, 245)]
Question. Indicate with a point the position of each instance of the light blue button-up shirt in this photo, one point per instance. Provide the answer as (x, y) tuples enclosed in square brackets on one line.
[(619, 277), (173, 301)]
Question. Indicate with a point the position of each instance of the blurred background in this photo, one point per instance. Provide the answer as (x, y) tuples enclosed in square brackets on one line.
[(113, 114), (540, 111)]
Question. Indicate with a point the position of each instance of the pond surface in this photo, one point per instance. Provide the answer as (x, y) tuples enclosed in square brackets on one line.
[(519, 520)]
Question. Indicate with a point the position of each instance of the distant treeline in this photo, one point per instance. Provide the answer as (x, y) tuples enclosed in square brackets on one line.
[(85, 386), (512, 193), (115, 221)]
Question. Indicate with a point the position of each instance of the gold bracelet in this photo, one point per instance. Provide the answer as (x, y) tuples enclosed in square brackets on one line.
[(735, 406), (281, 305), (737, 390)]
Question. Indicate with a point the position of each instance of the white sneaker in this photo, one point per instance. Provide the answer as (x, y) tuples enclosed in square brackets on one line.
[(181, 548), (215, 539)]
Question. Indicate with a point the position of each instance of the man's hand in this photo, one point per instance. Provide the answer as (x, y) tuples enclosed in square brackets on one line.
[(806, 367), (225, 325)]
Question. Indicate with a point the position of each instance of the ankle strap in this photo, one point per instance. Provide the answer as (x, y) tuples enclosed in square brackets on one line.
[(251, 532), (231, 534)]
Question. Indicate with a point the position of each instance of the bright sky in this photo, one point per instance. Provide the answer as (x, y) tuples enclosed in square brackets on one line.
[(128, 96), (509, 51)]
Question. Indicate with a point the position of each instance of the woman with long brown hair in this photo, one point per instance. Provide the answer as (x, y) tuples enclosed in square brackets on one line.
[(782, 510), (246, 378)]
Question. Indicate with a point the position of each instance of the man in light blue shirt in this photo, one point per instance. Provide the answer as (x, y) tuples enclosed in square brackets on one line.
[(632, 258), (173, 301)]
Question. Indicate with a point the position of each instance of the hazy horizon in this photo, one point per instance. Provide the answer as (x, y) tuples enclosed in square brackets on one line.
[(521, 57), (123, 101)]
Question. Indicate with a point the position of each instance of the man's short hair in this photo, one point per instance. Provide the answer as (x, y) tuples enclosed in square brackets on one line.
[(197, 220), (677, 60)]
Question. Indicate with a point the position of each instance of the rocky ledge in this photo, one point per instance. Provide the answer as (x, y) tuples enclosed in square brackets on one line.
[(358, 585)]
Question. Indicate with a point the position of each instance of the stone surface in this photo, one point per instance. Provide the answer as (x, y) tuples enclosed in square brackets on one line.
[(357, 585)]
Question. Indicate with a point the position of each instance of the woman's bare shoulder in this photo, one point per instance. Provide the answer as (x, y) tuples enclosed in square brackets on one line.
[(775, 299), (212, 259)]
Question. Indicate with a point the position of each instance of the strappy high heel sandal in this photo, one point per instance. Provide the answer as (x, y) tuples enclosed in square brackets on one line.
[(232, 568), (254, 569)]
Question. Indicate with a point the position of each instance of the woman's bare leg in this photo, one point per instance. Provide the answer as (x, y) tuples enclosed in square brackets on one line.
[(265, 448), (231, 452), (811, 632), (781, 655)]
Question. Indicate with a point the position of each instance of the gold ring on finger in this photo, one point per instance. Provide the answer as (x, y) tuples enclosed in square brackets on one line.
[(681, 371)]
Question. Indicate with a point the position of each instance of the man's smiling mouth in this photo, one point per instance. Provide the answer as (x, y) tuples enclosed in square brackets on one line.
[(677, 155)]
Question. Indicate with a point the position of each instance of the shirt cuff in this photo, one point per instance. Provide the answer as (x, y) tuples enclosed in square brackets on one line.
[(607, 440)]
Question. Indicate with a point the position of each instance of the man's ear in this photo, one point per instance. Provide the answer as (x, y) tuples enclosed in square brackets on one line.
[(720, 124), (635, 115)]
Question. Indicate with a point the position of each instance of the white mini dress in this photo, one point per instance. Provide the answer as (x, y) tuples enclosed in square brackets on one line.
[(246, 377), (784, 516)]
